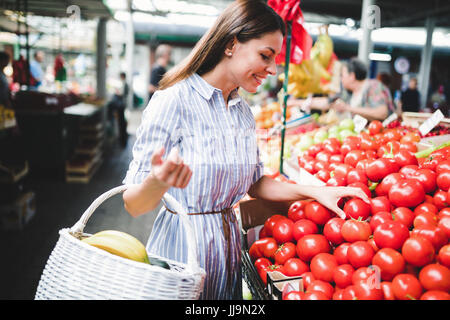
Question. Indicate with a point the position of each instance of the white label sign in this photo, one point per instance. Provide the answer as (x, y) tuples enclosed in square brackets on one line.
[(431, 122), (389, 119), (360, 122)]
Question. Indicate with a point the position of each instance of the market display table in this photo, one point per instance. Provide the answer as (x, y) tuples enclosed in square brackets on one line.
[(51, 137)]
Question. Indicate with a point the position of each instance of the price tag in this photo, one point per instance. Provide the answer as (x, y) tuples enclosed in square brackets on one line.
[(389, 119), (431, 122), (360, 123)]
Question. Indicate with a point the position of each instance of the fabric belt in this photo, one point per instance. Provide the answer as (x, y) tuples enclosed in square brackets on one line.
[(228, 217)]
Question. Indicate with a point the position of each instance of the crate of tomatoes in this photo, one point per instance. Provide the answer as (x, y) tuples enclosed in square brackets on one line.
[(395, 248)]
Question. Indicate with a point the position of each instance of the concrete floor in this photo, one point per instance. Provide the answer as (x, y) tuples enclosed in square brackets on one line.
[(60, 205)]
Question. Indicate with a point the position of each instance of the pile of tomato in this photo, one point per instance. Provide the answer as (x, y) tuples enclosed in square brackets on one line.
[(395, 248)]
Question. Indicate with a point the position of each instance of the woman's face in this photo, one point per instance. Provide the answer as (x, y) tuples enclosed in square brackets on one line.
[(253, 60)]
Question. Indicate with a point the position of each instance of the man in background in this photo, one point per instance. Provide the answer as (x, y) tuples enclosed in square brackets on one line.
[(5, 94), (36, 69), (410, 98), (162, 55)]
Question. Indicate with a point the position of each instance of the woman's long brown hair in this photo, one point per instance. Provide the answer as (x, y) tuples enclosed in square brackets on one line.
[(243, 20)]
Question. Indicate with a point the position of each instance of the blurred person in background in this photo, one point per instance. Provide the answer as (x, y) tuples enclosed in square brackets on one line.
[(410, 98), (116, 109), (5, 93), (36, 69), (369, 98), (162, 55)]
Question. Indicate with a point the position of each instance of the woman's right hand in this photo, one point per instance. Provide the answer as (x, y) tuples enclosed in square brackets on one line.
[(171, 172)]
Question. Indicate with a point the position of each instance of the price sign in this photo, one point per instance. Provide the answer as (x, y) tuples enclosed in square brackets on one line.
[(431, 122), (389, 119), (360, 123)]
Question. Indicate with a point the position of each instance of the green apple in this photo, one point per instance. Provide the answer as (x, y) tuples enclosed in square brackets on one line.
[(346, 133), (333, 130), (320, 136), (305, 142), (347, 124), (334, 134)]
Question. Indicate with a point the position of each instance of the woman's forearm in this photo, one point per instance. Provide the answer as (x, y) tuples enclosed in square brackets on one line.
[(378, 113), (272, 190), (142, 198)]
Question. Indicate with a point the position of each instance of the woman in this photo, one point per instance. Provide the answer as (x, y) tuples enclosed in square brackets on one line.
[(198, 118)]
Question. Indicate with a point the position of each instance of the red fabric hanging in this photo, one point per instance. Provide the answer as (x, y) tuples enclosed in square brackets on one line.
[(301, 41)]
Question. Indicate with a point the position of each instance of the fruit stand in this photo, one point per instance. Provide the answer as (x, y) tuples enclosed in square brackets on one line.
[(394, 247)]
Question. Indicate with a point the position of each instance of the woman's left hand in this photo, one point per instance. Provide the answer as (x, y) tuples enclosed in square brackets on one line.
[(329, 197)]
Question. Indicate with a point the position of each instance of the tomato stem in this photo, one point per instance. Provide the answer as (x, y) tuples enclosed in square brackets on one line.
[(410, 297)]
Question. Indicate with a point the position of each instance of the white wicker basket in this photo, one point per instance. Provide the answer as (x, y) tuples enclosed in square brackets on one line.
[(78, 271)]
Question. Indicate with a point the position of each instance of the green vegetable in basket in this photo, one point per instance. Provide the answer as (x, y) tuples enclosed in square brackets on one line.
[(157, 262)]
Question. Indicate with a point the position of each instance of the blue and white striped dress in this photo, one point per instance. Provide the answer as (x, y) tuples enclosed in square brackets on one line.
[(219, 144)]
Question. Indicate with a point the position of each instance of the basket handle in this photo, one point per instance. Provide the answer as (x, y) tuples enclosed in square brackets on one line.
[(192, 262)]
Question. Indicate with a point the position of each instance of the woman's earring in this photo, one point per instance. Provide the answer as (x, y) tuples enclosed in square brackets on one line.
[(229, 54)]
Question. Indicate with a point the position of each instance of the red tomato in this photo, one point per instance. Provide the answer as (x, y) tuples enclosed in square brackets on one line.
[(425, 218), (404, 215), (357, 175), (409, 170), (406, 287), (353, 157), (435, 277), (406, 193), (369, 144), (308, 278), (373, 244), (388, 292), (323, 156), (379, 204), (418, 251), (440, 199), (336, 158), (366, 291), (264, 247), (444, 256), (389, 149), (391, 234), (363, 164), (342, 170), (409, 146), (427, 207), (392, 135), (314, 149), (315, 295), (294, 295), (321, 286), (443, 180), (322, 266), (444, 224), (434, 234), (379, 218), (356, 208), (295, 267), (427, 178), (435, 295), (342, 275), (380, 168), (410, 137), (332, 230), (390, 262), (303, 227), (332, 148), (375, 126), (320, 165), (284, 252), (360, 254), (283, 231), (354, 230), (317, 213), (270, 222), (323, 175), (386, 184), (337, 295), (444, 213), (442, 166), (336, 181), (405, 157), (310, 245), (363, 274), (349, 293), (297, 210)]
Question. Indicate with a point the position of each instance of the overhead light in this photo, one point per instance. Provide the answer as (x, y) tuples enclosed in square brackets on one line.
[(379, 56)]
